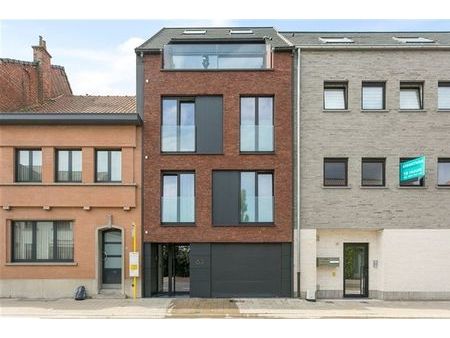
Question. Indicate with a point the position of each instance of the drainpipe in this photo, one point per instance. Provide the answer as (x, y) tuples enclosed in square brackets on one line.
[(298, 171)]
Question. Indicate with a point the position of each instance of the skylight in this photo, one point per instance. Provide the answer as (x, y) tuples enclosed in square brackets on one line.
[(412, 39), (194, 32), (335, 40), (241, 31)]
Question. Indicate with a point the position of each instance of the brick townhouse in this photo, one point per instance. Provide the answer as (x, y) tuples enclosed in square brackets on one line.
[(69, 184)]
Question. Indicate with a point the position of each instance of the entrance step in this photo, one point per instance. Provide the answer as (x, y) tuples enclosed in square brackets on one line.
[(109, 294)]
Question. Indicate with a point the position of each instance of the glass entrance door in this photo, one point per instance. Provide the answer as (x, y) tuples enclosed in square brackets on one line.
[(356, 269), (112, 258), (173, 269)]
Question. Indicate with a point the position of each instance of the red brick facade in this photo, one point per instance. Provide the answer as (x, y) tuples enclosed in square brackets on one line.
[(230, 84)]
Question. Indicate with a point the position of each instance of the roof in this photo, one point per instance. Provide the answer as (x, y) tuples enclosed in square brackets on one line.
[(369, 39), (86, 104), (166, 35)]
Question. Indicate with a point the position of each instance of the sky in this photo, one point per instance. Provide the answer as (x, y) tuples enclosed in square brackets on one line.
[(99, 58)]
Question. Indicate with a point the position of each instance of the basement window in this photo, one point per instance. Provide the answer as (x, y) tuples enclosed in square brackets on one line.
[(412, 39), (335, 40)]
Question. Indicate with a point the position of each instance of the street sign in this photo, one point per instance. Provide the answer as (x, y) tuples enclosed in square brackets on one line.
[(134, 264), (413, 169)]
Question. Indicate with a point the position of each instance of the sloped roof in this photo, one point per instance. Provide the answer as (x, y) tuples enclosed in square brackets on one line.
[(166, 35)]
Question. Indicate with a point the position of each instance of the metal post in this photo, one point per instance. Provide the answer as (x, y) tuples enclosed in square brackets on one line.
[(133, 234)]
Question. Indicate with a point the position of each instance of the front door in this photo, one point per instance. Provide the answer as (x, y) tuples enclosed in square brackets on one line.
[(356, 269), (112, 258), (173, 269)]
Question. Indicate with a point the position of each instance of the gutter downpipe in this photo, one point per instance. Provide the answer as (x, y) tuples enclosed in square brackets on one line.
[(298, 171)]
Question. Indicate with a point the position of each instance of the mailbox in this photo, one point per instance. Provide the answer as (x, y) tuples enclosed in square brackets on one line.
[(328, 261)]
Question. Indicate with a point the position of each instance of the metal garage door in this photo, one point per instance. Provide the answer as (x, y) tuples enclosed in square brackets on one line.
[(249, 270)]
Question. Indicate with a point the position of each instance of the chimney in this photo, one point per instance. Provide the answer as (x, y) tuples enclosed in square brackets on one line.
[(43, 59)]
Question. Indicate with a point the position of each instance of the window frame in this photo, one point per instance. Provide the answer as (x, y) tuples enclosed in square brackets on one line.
[(373, 84), (402, 185), (177, 174), (442, 160), (256, 98), (335, 85), (420, 85), (445, 84), (109, 166), (30, 166), (257, 172), (70, 169), (335, 160), (34, 243), (180, 100), (381, 160)]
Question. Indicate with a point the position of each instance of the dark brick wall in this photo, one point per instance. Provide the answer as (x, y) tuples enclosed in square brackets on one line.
[(231, 85)]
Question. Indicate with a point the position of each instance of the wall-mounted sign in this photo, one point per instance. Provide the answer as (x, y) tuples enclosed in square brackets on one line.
[(413, 169), (134, 264)]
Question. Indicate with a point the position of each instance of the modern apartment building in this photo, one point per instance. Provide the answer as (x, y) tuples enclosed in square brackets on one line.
[(70, 171), (365, 102), (217, 162)]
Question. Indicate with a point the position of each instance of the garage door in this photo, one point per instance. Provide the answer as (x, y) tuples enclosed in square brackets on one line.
[(250, 270)]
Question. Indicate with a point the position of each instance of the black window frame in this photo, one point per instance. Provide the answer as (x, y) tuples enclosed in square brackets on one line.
[(256, 98), (420, 85), (70, 169), (177, 174), (442, 84), (381, 160), (180, 100), (34, 243), (442, 160), (333, 85), (335, 160), (109, 166), (381, 84), (257, 172), (30, 167), (407, 184)]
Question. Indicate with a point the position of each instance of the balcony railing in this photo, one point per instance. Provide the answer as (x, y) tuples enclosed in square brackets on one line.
[(178, 209), (256, 137), (178, 138), (257, 209)]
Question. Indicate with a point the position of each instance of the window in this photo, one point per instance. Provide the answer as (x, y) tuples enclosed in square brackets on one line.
[(335, 96), (256, 197), (444, 171), (28, 165), (411, 95), (335, 40), (108, 166), (206, 56), (416, 183), (373, 95), (241, 31), (335, 172), (68, 166), (194, 32), (444, 95), (256, 124), (178, 125), (42, 241), (178, 198), (373, 171), (412, 39)]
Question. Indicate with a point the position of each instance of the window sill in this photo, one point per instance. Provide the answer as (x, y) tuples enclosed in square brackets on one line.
[(412, 111), (373, 187), (336, 186), (442, 186), (175, 225), (446, 110), (112, 184), (218, 70), (336, 110), (412, 187), (186, 153), (257, 153), (375, 110), (244, 225), (42, 264)]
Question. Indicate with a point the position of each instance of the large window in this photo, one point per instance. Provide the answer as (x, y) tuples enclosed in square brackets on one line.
[(217, 56), (28, 165), (42, 241), (256, 124), (178, 198), (335, 96), (68, 166), (108, 166), (335, 172), (178, 125), (373, 172), (256, 197), (415, 183), (411, 95), (373, 96), (444, 95), (444, 171)]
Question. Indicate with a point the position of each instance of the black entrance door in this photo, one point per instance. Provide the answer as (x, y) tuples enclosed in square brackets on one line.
[(112, 257), (173, 274), (356, 269)]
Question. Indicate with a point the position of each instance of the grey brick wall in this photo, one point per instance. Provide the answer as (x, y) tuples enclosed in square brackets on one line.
[(356, 134)]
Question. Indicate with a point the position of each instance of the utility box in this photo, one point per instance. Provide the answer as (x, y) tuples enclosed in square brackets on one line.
[(328, 261)]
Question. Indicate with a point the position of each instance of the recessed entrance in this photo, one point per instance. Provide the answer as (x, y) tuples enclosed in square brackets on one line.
[(173, 269), (111, 259), (356, 269)]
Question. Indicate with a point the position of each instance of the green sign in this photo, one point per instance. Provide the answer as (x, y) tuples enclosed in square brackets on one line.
[(413, 169)]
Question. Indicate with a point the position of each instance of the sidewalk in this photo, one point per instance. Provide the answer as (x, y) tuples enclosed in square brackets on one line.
[(221, 308)]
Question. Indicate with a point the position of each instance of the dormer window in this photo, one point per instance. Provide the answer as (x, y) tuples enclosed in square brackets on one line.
[(194, 32), (335, 40), (412, 39)]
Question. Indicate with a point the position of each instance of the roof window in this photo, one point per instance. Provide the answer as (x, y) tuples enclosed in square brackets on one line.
[(194, 32), (241, 31), (335, 40), (412, 39)]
